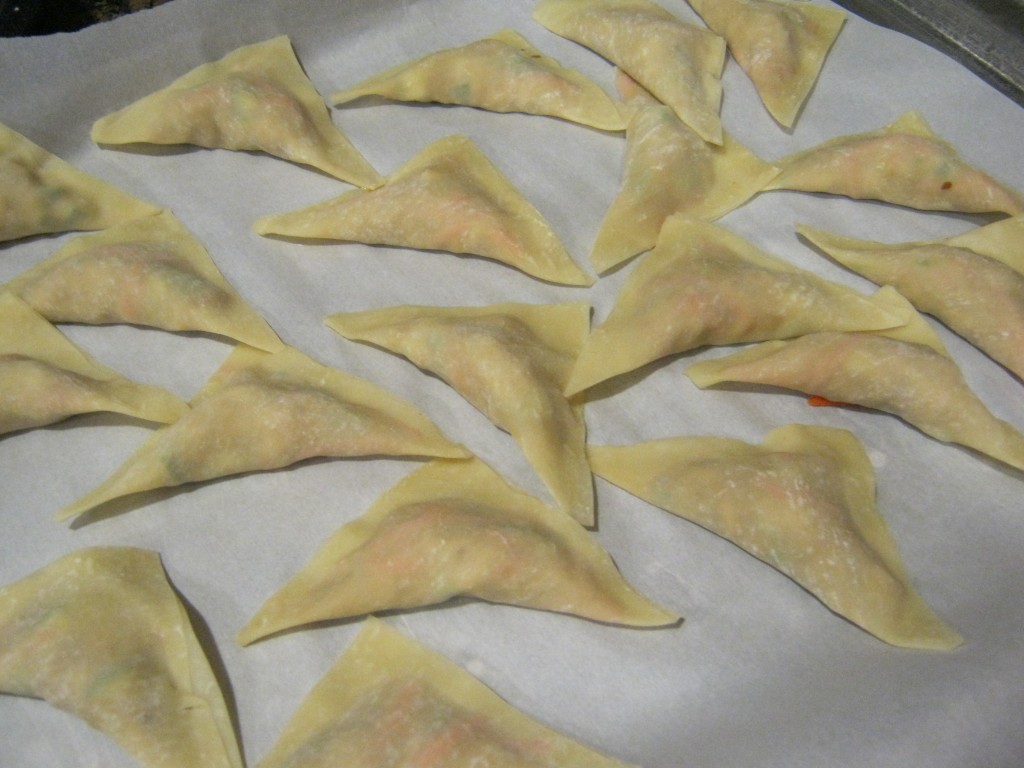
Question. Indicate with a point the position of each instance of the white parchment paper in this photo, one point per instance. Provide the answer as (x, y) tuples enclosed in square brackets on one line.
[(760, 673)]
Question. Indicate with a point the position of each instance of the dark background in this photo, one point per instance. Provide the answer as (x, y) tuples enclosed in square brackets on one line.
[(20, 18)]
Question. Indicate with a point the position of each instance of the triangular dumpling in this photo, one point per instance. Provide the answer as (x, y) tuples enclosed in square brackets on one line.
[(255, 98), (680, 63), (262, 411), (45, 377), (669, 169), (704, 285), (456, 528), (904, 163), (500, 73), (149, 271), (780, 45), (100, 633), (42, 194), (979, 297), (804, 502), (511, 361), (905, 372), (389, 693), (449, 197)]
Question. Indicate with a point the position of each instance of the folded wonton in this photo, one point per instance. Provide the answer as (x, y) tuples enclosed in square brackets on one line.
[(149, 271), (680, 63), (456, 528), (500, 73), (511, 361), (906, 372), (904, 163), (255, 98), (45, 377), (670, 169), (804, 502), (449, 197), (42, 194), (978, 296), (388, 695), (703, 285), (263, 411), (100, 633), (780, 45)]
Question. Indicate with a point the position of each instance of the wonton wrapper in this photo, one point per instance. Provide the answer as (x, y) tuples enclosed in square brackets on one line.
[(390, 696), (449, 197), (46, 378), (262, 411), (979, 297), (42, 194), (255, 98), (511, 361), (904, 163), (780, 45), (500, 73), (100, 633), (906, 372), (149, 271), (680, 63), (670, 169), (456, 528), (703, 285), (804, 502)]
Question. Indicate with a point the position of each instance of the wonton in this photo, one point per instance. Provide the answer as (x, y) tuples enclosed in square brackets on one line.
[(703, 285), (149, 271), (906, 372), (100, 633), (46, 378), (804, 502), (255, 98), (262, 411), (511, 361), (780, 45), (680, 63), (500, 73), (979, 297), (390, 695), (41, 194), (449, 197), (904, 163), (669, 169), (456, 528)]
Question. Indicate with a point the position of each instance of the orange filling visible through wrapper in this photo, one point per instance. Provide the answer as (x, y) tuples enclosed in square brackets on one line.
[(456, 528)]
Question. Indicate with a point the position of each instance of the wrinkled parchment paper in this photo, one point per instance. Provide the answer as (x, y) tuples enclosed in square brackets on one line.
[(760, 673)]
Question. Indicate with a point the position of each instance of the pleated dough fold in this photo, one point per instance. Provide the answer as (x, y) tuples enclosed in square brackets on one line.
[(149, 271), (46, 378), (41, 194), (904, 163), (703, 285), (100, 633), (450, 197), (389, 694), (680, 63), (978, 296), (500, 73), (905, 372), (781, 46), (255, 98), (511, 361), (456, 528), (804, 502), (262, 411)]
